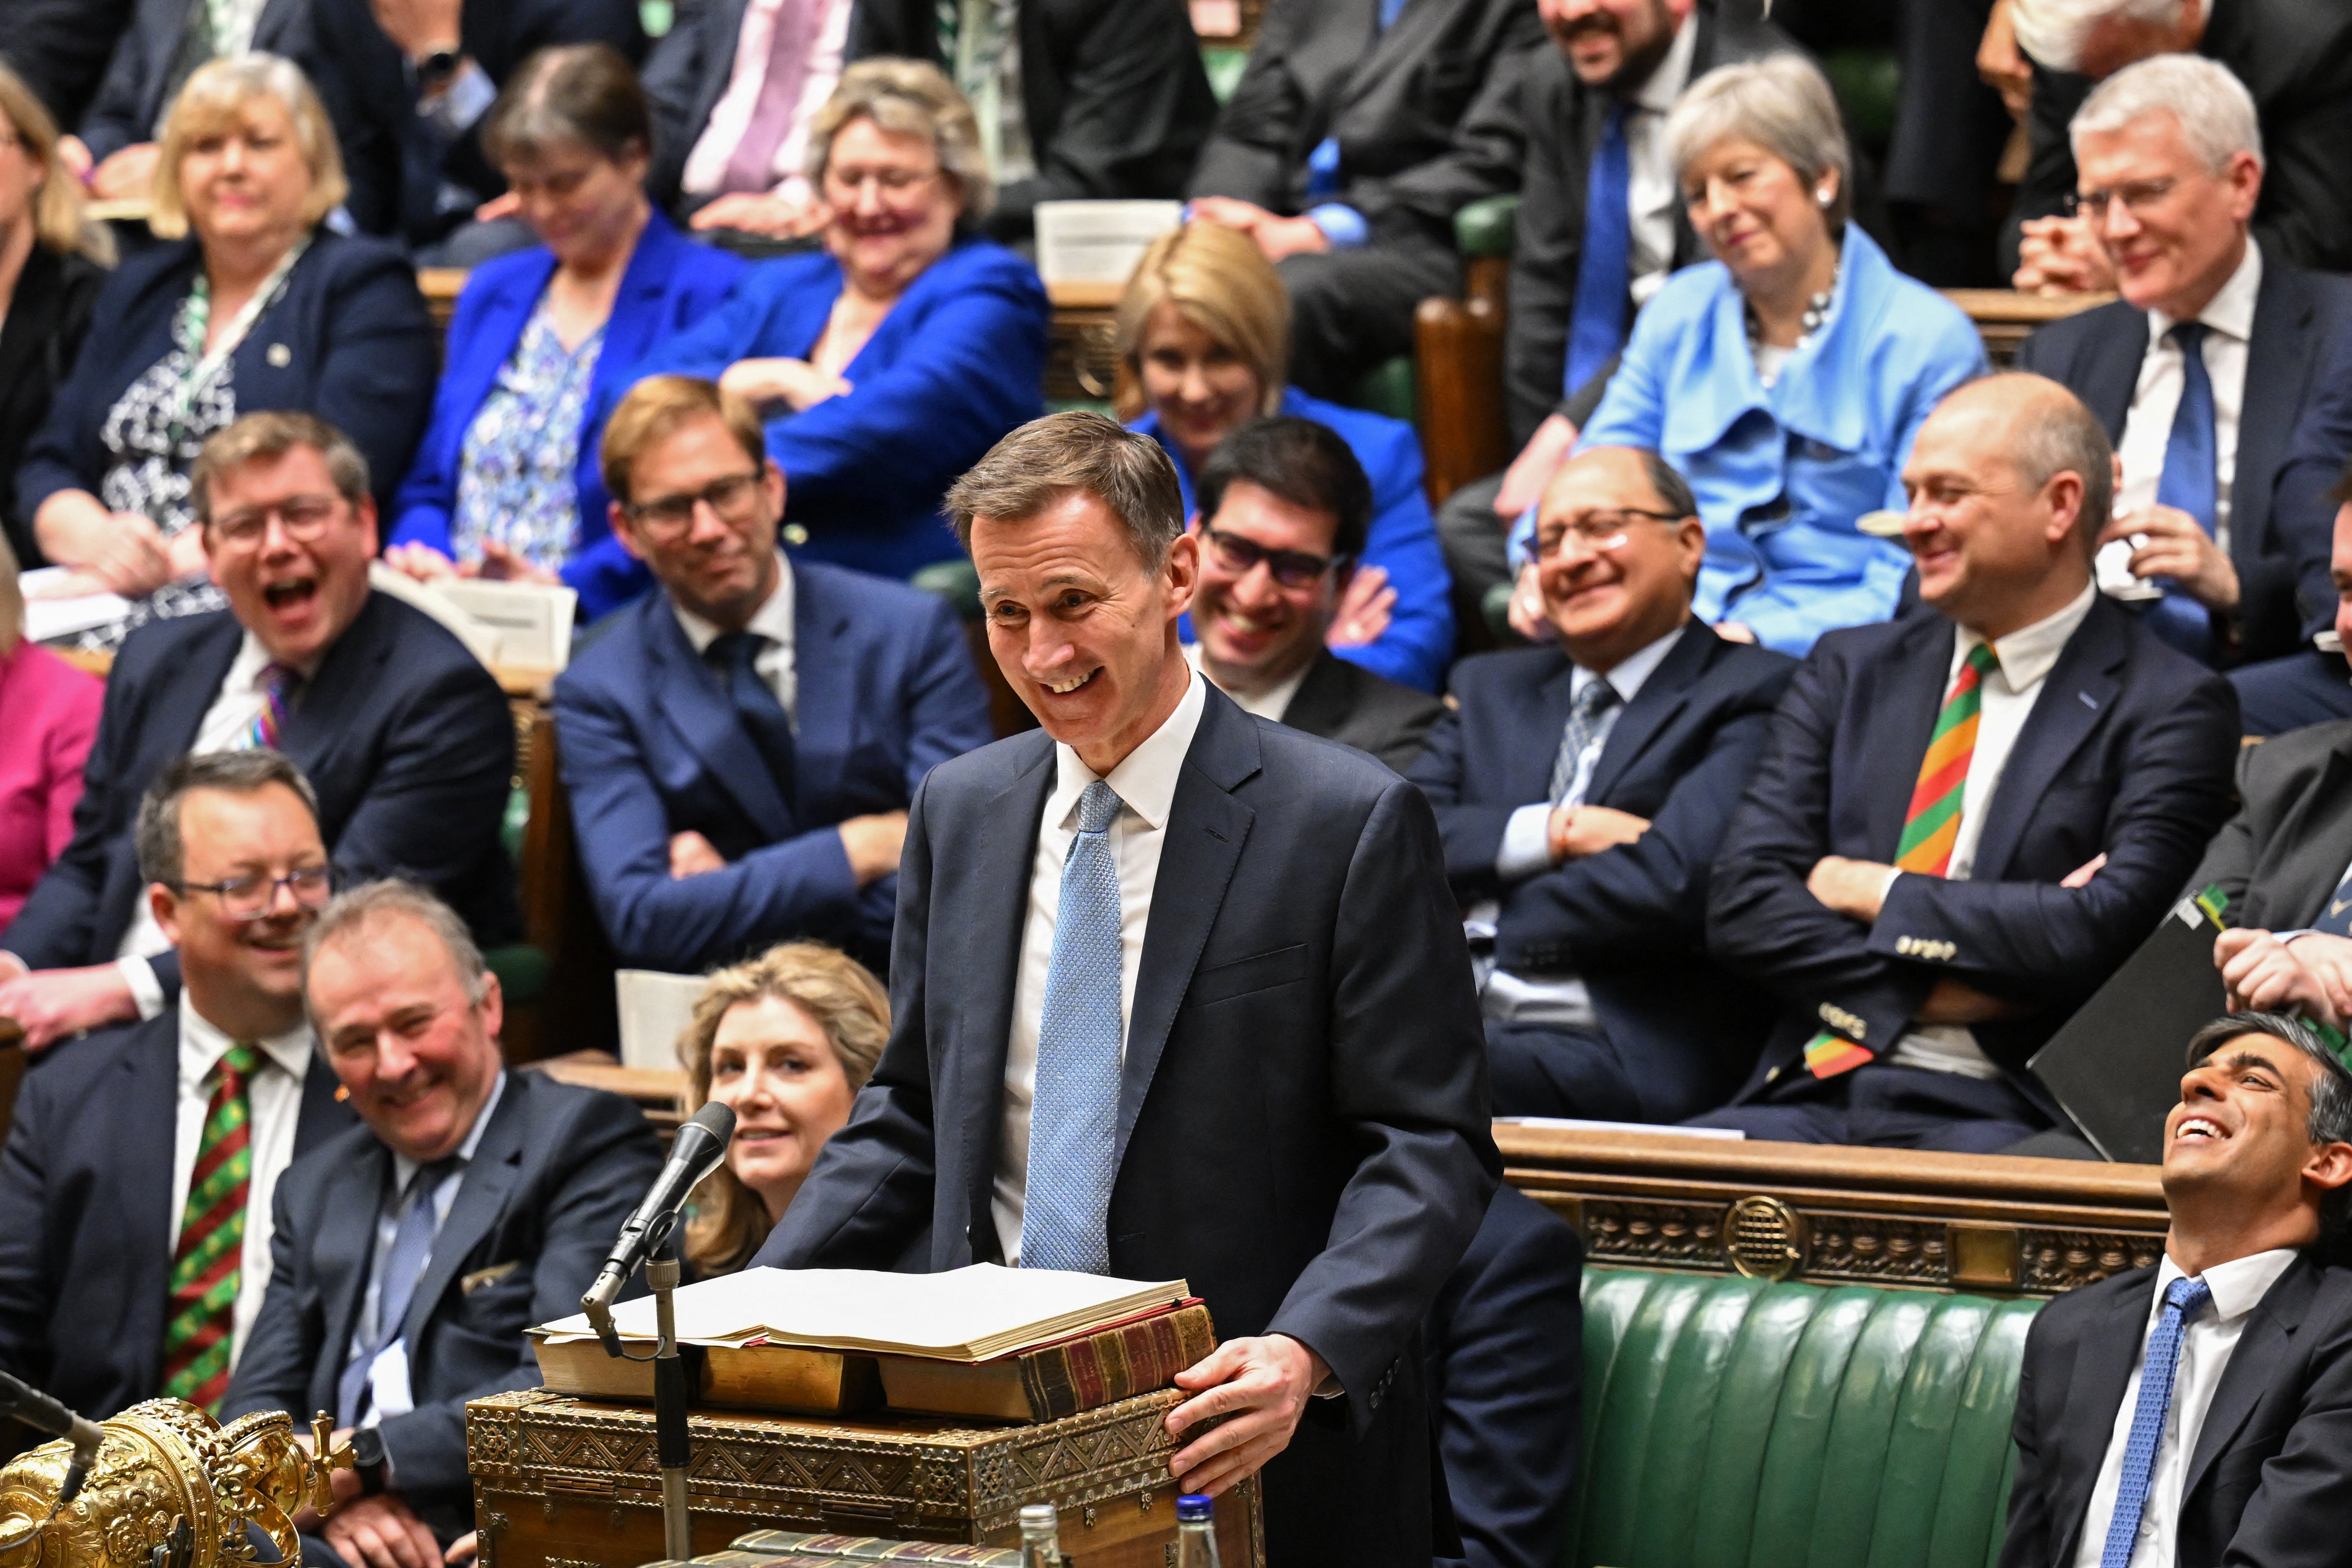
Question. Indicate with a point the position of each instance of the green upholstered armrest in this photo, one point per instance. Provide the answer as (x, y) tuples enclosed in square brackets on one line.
[(955, 581), (1224, 66), (1388, 388), (1733, 1423), (1868, 84), (522, 970), (1485, 227)]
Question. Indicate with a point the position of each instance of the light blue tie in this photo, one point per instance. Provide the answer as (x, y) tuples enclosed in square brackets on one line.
[(404, 1264), (1073, 1111), (2183, 1299)]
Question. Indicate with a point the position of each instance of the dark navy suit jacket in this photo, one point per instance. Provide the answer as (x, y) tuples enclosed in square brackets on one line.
[(651, 747), (2127, 752), (1302, 1128), (2267, 1482), (671, 283), (953, 369), (2298, 316), (1631, 921), (407, 740), (2304, 505), (556, 1173), (86, 1211), (138, 84), (351, 342), (1506, 1343)]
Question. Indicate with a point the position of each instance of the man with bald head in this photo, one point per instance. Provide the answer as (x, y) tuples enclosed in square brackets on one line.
[(1965, 819), (1581, 790)]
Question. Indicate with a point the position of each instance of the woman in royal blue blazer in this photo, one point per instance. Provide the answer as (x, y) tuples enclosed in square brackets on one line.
[(261, 306), (1204, 348), (1786, 378), (545, 340), (889, 363)]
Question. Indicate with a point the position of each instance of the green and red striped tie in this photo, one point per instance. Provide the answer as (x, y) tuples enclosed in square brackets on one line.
[(206, 1264)]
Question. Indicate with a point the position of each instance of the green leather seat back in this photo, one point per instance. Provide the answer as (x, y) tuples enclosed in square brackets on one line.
[(1733, 1423)]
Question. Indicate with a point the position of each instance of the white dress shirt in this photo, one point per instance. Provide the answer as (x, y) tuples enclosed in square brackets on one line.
[(1272, 702), (388, 1391), (774, 620), (2005, 701), (226, 726), (1145, 782), (2206, 1345), (705, 165), (273, 1107), (2155, 399), (1558, 999), (1652, 195)]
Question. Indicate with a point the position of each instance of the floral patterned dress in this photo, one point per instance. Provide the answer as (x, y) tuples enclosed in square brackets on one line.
[(515, 473)]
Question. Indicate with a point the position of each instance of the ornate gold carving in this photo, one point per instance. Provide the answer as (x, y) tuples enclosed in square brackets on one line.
[(1766, 1237), (1659, 1235), (2057, 1260)]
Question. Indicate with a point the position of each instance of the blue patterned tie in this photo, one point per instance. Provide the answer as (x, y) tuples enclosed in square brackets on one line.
[(2190, 481), (1596, 331), (2183, 1299), (403, 1265), (1073, 1112)]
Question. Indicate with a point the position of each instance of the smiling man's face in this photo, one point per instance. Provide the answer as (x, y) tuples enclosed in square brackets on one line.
[(296, 595), (2243, 1124)]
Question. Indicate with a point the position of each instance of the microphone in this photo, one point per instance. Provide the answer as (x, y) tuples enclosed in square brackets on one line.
[(45, 1414), (701, 1144)]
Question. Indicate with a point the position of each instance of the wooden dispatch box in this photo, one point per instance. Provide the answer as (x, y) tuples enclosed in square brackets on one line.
[(561, 1483)]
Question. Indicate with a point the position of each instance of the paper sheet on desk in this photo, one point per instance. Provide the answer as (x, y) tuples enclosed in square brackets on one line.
[(48, 619), (1574, 1124)]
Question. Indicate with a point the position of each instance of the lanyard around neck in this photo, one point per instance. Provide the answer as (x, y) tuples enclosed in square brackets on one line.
[(195, 321)]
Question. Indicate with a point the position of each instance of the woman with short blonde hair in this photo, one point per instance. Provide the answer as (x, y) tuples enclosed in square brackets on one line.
[(785, 1040), (256, 304)]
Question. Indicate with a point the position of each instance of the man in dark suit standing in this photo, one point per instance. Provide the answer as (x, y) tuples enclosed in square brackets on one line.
[(135, 1183), (741, 747), (1106, 925), (2193, 1412), (1965, 819), (412, 1252), (1582, 792), (1284, 511), (2172, 152), (405, 736), (1339, 97)]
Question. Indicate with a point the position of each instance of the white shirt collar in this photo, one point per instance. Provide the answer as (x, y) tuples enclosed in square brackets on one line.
[(2028, 653), (404, 1169), (1633, 671), (2231, 308), (772, 620), (2238, 1286), (1270, 703), (203, 1043), (1672, 74), (252, 658), (1146, 780)]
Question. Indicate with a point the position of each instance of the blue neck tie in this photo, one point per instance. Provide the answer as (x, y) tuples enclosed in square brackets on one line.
[(2183, 1299), (1074, 1109), (403, 1265), (1596, 331), (2190, 482), (762, 716)]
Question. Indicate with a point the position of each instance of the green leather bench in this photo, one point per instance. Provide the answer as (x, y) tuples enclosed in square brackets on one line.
[(1729, 1423)]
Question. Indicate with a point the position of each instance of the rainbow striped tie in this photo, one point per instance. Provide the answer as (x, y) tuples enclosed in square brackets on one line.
[(277, 685), (207, 1266)]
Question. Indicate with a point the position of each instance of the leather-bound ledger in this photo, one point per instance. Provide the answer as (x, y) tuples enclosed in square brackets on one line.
[(1084, 1371)]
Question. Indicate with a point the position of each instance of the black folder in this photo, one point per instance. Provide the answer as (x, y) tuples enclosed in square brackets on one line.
[(2115, 1066)]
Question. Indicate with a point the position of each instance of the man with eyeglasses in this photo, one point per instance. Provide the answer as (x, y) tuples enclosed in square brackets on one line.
[(406, 738), (1582, 789), (741, 747), (136, 1180), (2199, 374), (1284, 512), (1967, 818)]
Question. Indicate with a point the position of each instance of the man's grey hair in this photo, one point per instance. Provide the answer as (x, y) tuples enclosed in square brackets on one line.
[(1070, 453), (1673, 491), (1784, 105), (369, 905), (2052, 32), (2061, 436), (908, 97), (2212, 106), (162, 853)]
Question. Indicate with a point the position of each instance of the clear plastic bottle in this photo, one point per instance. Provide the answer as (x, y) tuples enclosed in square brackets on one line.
[(1196, 1532), (1041, 1536)]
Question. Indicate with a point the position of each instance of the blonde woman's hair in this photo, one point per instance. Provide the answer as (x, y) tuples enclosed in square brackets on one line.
[(60, 222), (212, 99), (1783, 104), (1219, 280), (12, 595), (729, 1222), (911, 98)]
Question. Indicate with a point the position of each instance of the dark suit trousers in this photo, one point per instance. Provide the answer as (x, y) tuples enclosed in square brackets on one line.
[(1548, 1070), (1882, 1106), (1351, 311), (2282, 694)]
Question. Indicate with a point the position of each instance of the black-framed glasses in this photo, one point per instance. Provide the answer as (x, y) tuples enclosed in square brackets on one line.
[(253, 898), (303, 518), (1291, 568), (2139, 197), (733, 498), (1598, 528)]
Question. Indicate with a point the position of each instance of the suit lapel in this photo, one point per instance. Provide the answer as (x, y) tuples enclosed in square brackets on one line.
[(1662, 696), (2299, 886), (1903, 707), (992, 924), (149, 1085), (322, 1115), (2104, 1358), (2260, 1349), (636, 316), (825, 673), (1320, 704), (691, 698), (1528, 776), (1206, 829), (172, 720), (2278, 360), (346, 680), (2113, 373), (481, 1197), (2074, 699), (1399, 47), (346, 1250)]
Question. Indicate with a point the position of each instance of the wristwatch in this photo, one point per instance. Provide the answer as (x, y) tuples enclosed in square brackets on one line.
[(368, 1459), (434, 71)]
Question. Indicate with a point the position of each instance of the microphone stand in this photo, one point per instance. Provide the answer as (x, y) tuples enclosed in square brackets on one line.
[(672, 1444)]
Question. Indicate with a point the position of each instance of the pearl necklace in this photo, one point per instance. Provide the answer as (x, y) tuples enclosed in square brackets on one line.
[(1817, 311)]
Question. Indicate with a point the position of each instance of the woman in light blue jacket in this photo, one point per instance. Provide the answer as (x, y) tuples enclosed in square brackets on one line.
[(1786, 378)]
